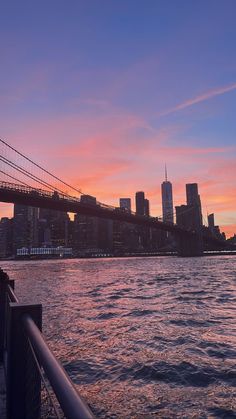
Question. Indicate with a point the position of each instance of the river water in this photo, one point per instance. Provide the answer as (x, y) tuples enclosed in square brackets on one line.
[(141, 337)]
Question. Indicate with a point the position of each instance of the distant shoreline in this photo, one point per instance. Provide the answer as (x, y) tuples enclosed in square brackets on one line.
[(111, 256)]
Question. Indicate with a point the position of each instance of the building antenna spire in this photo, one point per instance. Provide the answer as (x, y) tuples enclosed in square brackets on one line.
[(165, 173)]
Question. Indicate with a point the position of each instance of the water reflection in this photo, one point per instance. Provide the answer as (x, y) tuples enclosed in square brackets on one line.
[(141, 338)]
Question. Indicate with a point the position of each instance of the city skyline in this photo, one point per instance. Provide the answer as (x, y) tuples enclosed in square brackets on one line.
[(34, 231), (167, 203), (105, 94)]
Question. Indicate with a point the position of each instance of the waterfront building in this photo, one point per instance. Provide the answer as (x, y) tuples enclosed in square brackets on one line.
[(117, 237), (33, 227), (86, 229), (85, 233), (157, 240), (167, 200), (125, 203), (33, 218), (125, 237), (70, 232), (91, 234), (44, 234), (44, 252), (21, 227), (5, 237), (105, 234), (53, 228)]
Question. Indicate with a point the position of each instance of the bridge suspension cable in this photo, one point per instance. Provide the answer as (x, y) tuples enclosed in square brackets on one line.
[(20, 170), (14, 178), (45, 171), (30, 175)]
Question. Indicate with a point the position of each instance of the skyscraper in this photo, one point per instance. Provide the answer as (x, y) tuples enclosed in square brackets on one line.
[(5, 237), (146, 207), (193, 200), (21, 227), (140, 203), (142, 208), (190, 217), (167, 200), (125, 203), (211, 221)]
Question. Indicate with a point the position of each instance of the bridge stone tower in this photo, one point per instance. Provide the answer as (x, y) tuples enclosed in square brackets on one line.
[(189, 246)]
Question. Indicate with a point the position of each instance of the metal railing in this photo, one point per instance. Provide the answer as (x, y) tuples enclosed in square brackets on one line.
[(28, 362)]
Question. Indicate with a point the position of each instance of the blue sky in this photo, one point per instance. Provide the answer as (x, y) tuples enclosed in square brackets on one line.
[(106, 92)]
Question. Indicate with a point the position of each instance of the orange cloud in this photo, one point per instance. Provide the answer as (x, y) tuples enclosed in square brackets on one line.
[(6, 210), (115, 155), (229, 230)]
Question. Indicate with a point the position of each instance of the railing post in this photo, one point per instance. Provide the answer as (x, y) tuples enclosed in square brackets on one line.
[(3, 306), (23, 377)]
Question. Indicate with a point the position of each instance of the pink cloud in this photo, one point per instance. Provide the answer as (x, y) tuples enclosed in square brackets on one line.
[(200, 98), (229, 230), (103, 156)]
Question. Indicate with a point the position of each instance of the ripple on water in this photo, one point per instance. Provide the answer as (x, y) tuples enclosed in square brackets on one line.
[(140, 313), (222, 413), (141, 337), (184, 374)]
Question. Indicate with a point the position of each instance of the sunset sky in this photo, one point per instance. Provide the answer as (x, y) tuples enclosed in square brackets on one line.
[(104, 93)]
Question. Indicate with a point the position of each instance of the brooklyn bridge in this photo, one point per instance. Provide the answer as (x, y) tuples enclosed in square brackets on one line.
[(22, 181)]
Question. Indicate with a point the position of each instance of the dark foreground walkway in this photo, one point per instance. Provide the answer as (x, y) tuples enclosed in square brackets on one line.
[(2, 394)]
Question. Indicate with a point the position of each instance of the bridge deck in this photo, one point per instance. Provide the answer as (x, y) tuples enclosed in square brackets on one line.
[(24, 195)]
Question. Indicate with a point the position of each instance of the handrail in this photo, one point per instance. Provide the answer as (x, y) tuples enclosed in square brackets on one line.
[(11, 294), (20, 326), (71, 403)]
